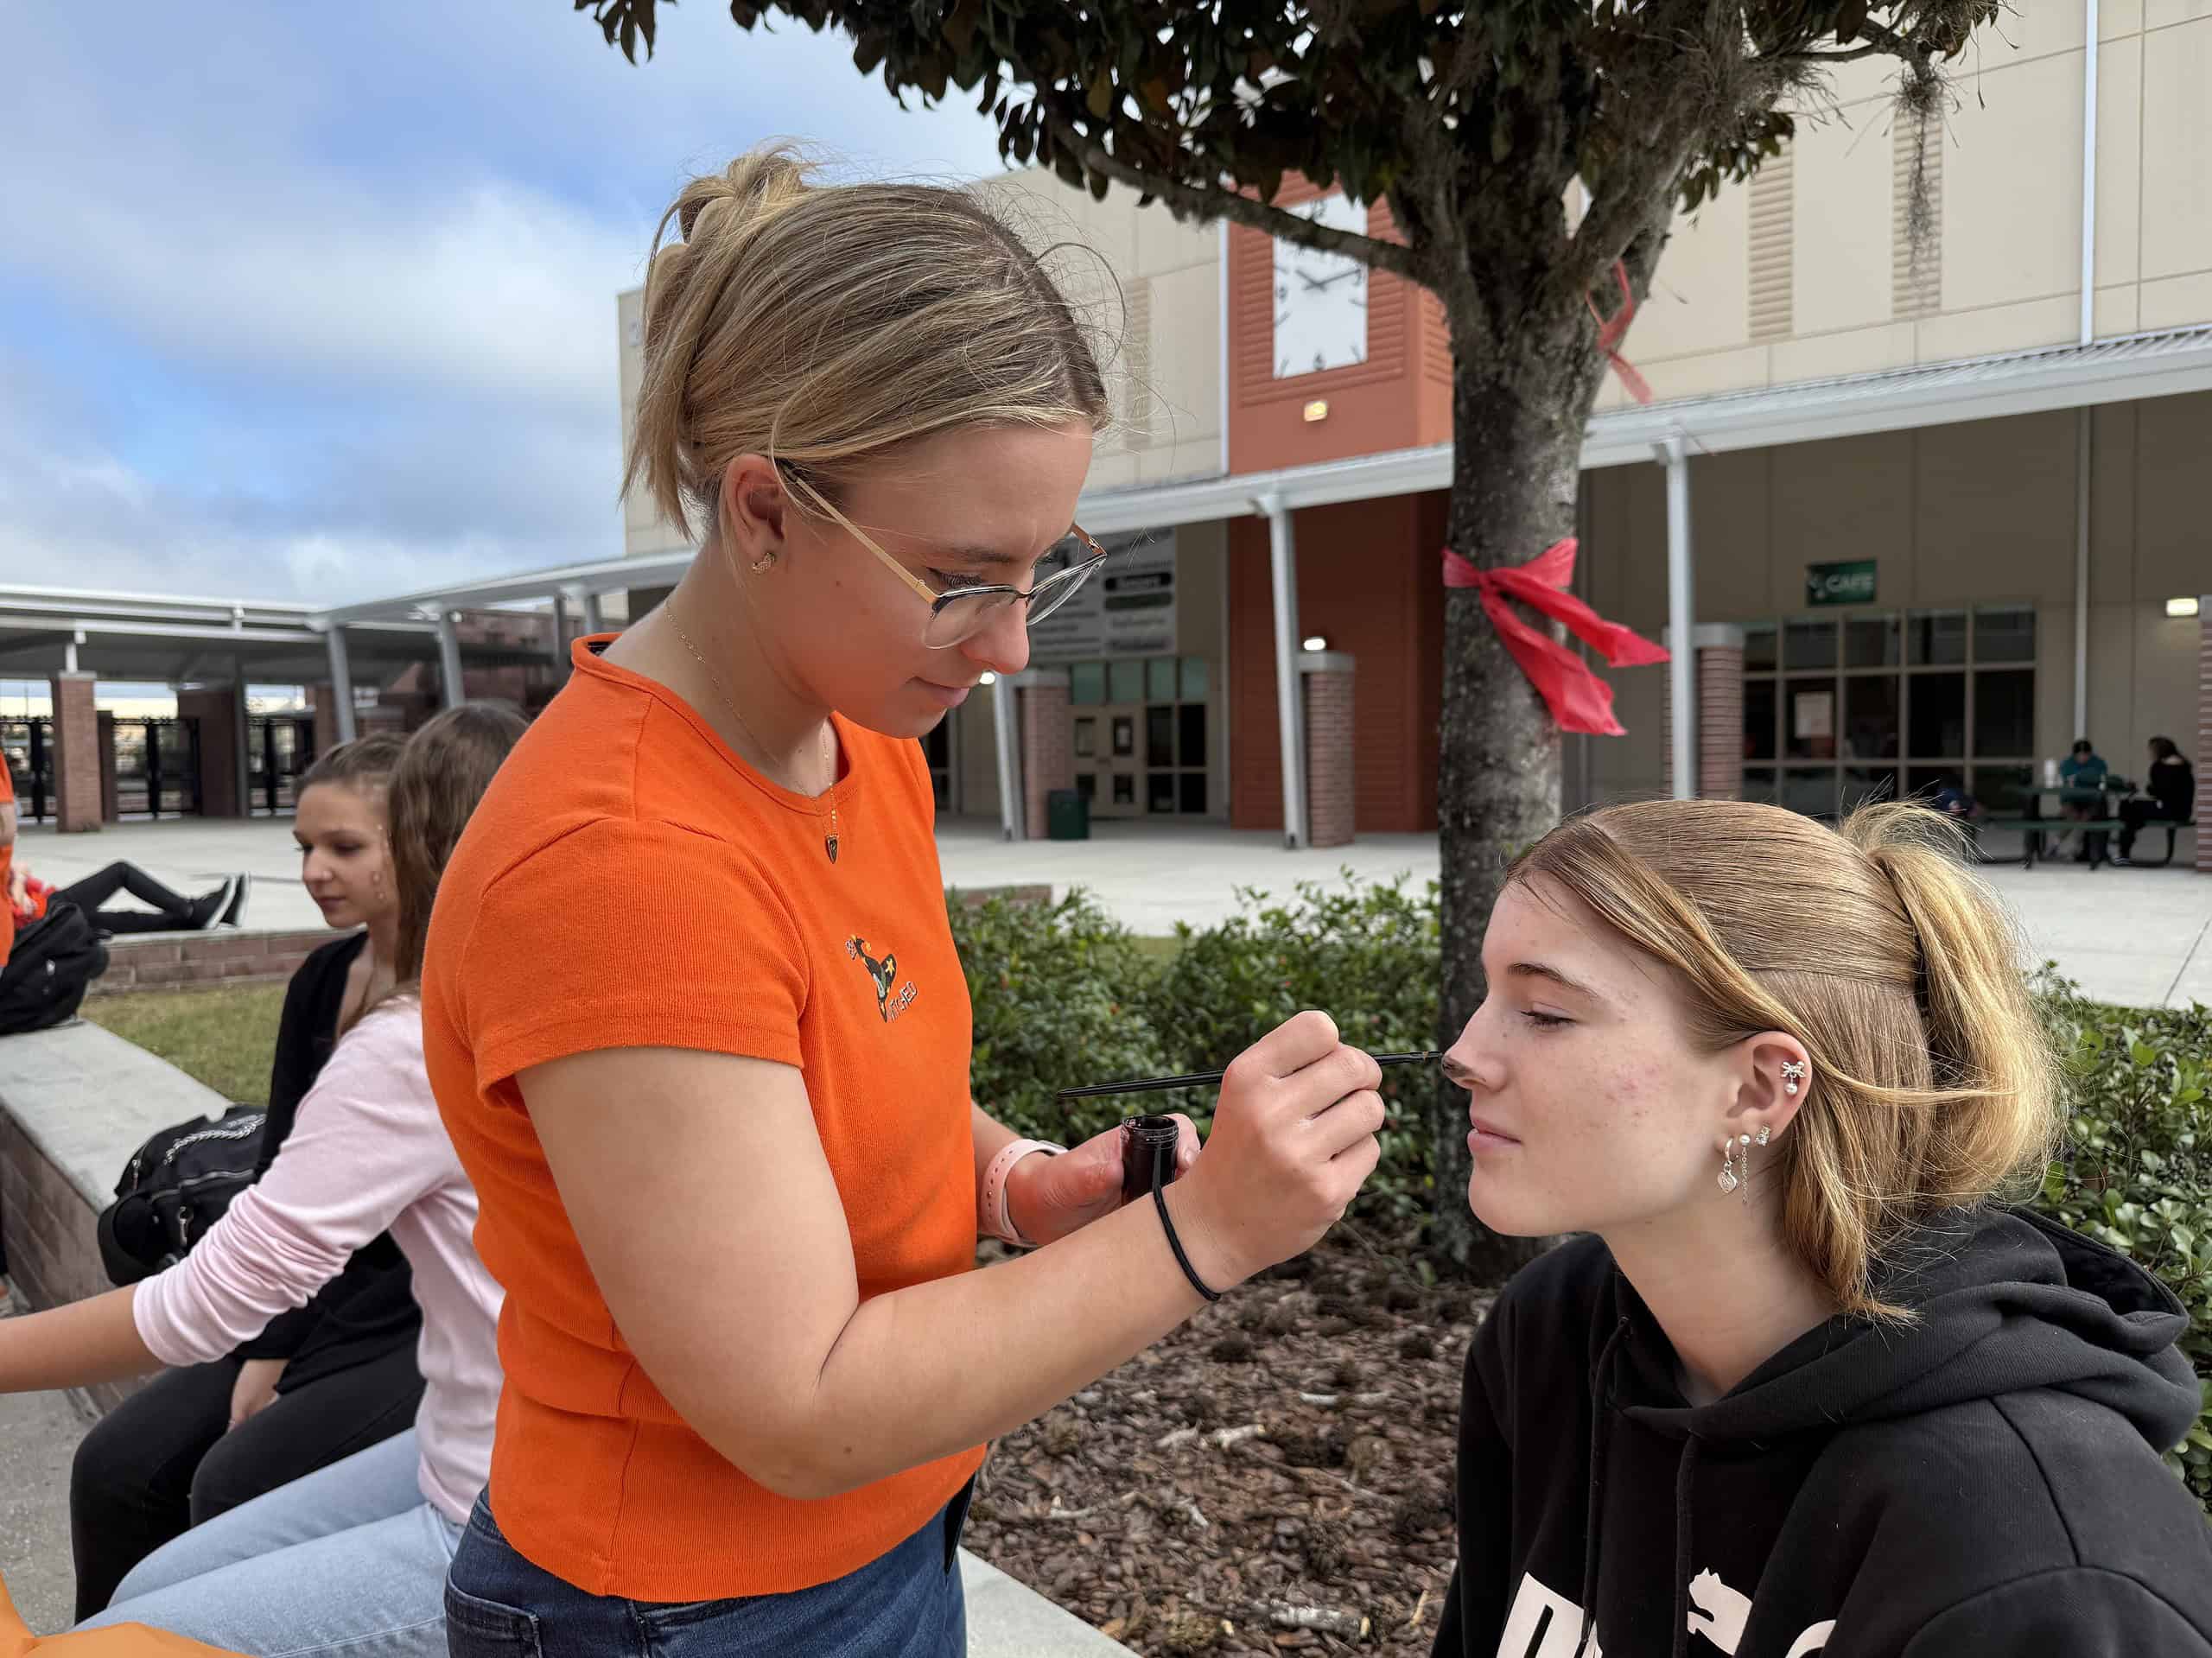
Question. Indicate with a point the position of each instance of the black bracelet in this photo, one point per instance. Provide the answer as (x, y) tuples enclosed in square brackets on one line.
[(1160, 1203)]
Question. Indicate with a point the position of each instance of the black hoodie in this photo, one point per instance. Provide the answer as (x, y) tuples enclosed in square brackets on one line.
[(1984, 1483)]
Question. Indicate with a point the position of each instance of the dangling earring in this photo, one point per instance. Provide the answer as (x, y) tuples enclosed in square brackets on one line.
[(1728, 1181), (1792, 1073)]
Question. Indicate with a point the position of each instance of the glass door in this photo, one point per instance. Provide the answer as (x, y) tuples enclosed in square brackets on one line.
[(1142, 736)]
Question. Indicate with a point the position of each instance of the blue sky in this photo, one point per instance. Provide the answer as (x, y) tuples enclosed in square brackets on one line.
[(318, 301)]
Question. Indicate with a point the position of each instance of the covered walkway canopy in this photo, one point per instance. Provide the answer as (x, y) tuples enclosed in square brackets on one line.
[(46, 631)]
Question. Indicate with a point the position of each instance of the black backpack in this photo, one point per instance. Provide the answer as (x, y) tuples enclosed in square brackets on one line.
[(48, 971), (176, 1187)]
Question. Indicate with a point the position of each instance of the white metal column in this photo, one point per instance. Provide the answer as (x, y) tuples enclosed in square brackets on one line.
[(1004, 713), (2088, 334), (450, 684), (1290, 707), (1682, 619), (2082, 458), (2089, 179), (342, 684)]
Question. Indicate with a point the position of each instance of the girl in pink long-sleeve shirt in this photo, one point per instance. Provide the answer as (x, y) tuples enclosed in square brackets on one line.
[(353, 1556)]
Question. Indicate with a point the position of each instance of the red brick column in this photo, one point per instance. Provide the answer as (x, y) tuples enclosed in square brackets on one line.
[(110, 811), (216, 708), (1048, 742), (1718, 676), (1720, 720), (2203, 813), (326, 718), (76, 754), (1326, 678)]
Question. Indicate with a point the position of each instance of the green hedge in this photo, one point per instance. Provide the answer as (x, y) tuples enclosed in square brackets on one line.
[(1057, 990), (2136, 1170), (1063, 995)]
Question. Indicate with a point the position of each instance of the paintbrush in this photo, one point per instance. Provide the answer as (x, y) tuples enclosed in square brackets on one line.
[(1212, 1078)]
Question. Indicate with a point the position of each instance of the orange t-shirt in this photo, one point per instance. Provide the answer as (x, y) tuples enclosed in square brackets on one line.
[(712, 920)]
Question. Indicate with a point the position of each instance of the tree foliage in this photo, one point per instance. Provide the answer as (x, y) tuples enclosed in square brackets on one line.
[(1471, 121)]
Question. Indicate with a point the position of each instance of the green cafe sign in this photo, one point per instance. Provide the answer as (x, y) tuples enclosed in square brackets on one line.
[(1840, 584)]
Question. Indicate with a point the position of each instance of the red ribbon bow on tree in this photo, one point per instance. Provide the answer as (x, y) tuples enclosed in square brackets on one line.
[(1611, 333), (1579, 700)]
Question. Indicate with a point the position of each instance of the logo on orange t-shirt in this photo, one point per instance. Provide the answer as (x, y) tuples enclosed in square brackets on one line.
[(884, 973)]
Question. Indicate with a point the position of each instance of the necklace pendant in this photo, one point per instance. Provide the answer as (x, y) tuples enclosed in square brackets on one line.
[(829, 846)]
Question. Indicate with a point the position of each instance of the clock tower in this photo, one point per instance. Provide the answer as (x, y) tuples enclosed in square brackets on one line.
[(1329, 359)]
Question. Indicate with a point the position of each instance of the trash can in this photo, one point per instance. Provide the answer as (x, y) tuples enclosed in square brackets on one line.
[(1067, 815)]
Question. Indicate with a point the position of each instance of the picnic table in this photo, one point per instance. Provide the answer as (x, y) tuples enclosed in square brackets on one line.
[(2034, 824)]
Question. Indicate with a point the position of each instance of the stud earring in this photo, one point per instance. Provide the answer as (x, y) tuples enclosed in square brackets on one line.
[(1792, 1073), (1728, 1181), (1764, 1132), (766, 561)]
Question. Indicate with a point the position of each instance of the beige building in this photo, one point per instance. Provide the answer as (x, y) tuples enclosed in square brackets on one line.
[(1943, 492)]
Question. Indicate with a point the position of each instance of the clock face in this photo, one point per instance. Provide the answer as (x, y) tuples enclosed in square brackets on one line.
[(1320, 299)]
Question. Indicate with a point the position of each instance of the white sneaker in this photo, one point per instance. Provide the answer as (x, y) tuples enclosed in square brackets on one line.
[(209, 909), (234, 911)]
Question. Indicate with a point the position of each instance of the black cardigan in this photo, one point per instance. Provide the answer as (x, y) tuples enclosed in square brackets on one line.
[(368, 1309)]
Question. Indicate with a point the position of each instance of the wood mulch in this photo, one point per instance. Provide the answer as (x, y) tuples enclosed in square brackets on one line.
[(1275, 1476)]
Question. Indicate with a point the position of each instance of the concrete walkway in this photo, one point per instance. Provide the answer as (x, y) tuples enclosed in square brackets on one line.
[(2139, 937)]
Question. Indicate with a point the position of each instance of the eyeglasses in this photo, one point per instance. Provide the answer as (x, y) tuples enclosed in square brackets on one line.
[(958, 615)]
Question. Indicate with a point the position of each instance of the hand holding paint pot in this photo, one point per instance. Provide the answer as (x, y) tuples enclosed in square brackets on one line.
[(1052, 1197)]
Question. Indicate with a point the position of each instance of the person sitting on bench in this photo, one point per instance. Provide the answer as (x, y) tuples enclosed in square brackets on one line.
[(26, 899), (2083, 769), (171, 911), (2168, 794)]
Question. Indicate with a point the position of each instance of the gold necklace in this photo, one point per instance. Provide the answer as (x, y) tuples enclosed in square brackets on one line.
[(829, 754)]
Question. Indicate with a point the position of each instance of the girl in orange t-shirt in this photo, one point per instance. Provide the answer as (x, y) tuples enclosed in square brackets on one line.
[(718, 1118)]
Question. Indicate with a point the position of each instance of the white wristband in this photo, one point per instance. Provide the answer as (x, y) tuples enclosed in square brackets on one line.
[(992, 1220)]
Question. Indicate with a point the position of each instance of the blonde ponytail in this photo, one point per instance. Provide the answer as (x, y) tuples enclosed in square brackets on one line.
[(821, 325)]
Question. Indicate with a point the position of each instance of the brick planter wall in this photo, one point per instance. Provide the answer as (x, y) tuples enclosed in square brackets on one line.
[(970, 898), (173, 961), (53, 1252)]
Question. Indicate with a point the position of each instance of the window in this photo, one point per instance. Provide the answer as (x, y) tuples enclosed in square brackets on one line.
[(1878, 704), (1143, 725)]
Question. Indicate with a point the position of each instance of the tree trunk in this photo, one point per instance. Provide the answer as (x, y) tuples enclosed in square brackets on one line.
[(1517, 431)]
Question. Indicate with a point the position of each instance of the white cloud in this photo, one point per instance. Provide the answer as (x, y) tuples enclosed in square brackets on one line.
[(412, 222)]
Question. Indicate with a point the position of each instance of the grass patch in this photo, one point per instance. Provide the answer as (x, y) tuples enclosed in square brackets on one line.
[(225, 1038)]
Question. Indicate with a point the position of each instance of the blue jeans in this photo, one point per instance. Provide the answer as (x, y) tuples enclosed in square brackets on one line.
[(907, 1604), (349, 1562)]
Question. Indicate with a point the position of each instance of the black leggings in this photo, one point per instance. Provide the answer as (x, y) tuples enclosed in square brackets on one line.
[(161, 1462), (173, 911), (2134, 815)]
